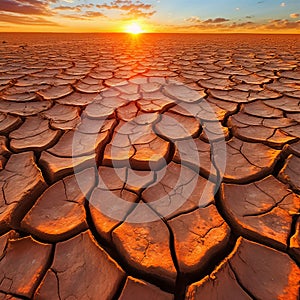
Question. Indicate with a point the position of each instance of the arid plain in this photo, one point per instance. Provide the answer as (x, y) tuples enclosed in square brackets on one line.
[(96, 129)]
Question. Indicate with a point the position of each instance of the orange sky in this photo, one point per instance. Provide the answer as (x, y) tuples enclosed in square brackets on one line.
[(268, 16)]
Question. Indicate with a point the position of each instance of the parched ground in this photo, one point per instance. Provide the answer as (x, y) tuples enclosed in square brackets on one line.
[(96, 129)]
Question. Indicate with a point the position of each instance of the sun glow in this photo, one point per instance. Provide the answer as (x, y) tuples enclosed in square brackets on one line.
[(134, 28)]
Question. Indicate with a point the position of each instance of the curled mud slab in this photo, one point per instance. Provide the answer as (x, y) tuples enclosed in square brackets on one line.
[(159, 167)]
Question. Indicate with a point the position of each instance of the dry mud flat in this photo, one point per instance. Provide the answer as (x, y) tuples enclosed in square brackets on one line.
[(240, 241)]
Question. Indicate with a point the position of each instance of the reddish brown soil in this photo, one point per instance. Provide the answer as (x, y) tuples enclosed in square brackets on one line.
[(57, 242)]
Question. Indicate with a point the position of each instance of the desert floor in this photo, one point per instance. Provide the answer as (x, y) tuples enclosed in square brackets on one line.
[(156, 166)]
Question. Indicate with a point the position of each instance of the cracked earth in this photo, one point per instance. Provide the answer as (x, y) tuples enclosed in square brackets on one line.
[(236, 231)]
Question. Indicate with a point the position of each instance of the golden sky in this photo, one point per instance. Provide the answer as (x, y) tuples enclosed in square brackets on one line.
[(214, 16)]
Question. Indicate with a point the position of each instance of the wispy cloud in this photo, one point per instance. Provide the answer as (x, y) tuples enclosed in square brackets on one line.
[(27, 12), (226, 25), (88, 15), (242, 25), (68, 8), (77, 8), (294, 16), (282, 24), (216, 21), (25, 20), (131, 9), (94, 14), (26, 7), (128, 9), (196, 20)]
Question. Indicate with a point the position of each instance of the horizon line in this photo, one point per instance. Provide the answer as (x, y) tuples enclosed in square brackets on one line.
[(142, 33)]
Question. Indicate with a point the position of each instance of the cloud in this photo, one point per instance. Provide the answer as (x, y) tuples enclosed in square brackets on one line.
[(26, 7), (244, 25), (94, 14), (294, 16), (77, 8), (282, 24), (225, 25), (193, 19), (86, 15), (282, 4), (125, 5), (196, 20), (75, 17), (130, 9), (27, 12), (64, 8), (135, 14), (25, 20), (32, 12), (215, 21)]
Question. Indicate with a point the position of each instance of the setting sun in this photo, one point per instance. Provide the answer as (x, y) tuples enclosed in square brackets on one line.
[(134, 28)]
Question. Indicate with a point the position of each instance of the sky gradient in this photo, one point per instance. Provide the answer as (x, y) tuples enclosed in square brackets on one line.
[(213, 16)]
